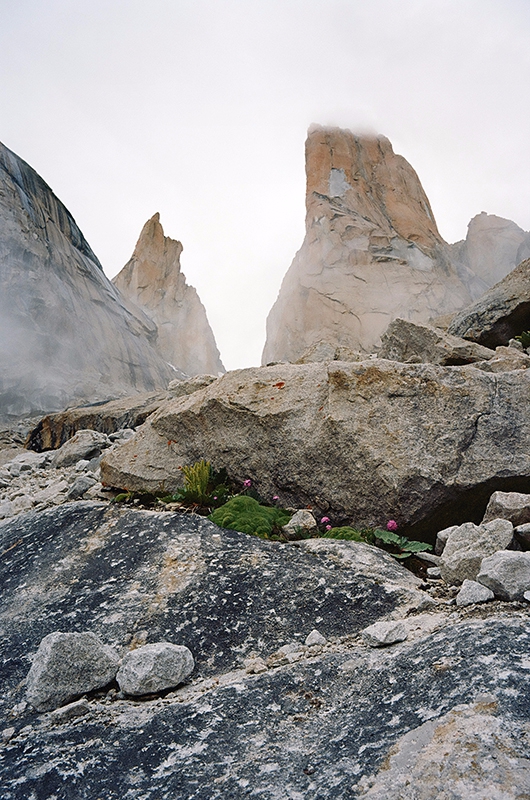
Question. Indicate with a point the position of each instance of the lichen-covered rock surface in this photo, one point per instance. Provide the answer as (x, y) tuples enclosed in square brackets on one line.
[(363, 442), (264, 714)]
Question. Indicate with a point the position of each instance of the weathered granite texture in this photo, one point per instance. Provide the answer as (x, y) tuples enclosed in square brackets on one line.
[(152, 279), (66, 333), (324, 722), (409, 341), (363, 442), (372, 251), (500, 314)]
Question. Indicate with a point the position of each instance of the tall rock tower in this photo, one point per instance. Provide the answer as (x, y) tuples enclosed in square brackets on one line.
[(152, 279), (372, 251)]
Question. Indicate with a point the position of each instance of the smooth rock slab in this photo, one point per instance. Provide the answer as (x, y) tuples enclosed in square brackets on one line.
[(381, 634), (67, 665), (507, 574), (154, 667), (473, 592)]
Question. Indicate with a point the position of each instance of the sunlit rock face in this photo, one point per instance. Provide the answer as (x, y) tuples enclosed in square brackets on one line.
[(492, 248), (66, 334), (152, 279), (372, 251)]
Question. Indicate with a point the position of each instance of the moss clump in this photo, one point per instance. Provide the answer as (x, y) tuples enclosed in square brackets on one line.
[(350, 534), (246, 515)]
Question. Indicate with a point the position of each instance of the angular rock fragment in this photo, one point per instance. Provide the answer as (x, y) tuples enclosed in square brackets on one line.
[(381, 634), (473, 592), (468, 544), (404, 341), (507, 574), (84, 445), (513, 506), (302, 523), (154, 667), (67, 665)]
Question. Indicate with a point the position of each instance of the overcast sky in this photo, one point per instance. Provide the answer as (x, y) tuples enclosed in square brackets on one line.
[(199, 109)]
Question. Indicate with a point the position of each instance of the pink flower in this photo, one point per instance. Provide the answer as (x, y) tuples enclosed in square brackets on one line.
[(247, 484), (323, 520), (328, 527), (275, 497), (391, 525)]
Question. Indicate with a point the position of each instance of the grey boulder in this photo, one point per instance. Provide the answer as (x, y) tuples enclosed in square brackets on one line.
[(473, 592), (410, 341), (507, 574), (468, 544), (84, 445), (513, 506), (154, 667), (67, 665)]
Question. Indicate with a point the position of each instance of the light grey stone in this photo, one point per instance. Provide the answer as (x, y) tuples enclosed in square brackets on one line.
[(122, 435), (179, 388), (154, 667), (55, 491), (522, 535), (303, 522), (80, 486), (82, 464), (434, 572), (468, 544), (71, 711), (85, 444), (473, 592), (526, 596), (67, 665), (516, 344), (381, 634), (315, 638), (513, 506), (404, 340), (507, 574), (441, 539), (6, 509)]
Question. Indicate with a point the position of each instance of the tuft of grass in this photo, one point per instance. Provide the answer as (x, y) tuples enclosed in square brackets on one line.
[(350, 534)]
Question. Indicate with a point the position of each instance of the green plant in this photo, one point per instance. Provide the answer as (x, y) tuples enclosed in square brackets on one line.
[(244, 514), (524, 338), (350, 534), (405, 546), (203, 486)]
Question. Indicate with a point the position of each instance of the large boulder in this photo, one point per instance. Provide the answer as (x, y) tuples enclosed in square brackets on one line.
[(364, 442), (368, 225), (66, 333), (154, 667), (514, 506), (500, 314), (54, 430), (152, 279), (409, 341), (468, 544), (507, 574)]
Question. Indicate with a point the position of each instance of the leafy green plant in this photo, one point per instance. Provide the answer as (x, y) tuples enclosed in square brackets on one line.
[(244, 514), (405, 546), (350, 534), (524, 338)]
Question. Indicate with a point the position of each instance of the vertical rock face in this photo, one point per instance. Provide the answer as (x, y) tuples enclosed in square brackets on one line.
[(492, 248), (372, 251), (66, 334), (153, 281)]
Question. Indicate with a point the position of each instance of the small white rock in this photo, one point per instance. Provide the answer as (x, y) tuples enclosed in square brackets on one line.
[(381, 634), (473, 592), (315, 637)]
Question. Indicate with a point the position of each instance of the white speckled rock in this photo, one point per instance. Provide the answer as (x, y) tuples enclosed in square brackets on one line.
[(473, 592), (154, 667), (315, 638), (301, 522), (513, 506), (67, 665), (381, 634), (85, 444), (507, 574)]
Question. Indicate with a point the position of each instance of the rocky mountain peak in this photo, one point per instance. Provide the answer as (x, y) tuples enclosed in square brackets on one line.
[(361, 175), (153, 280)]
